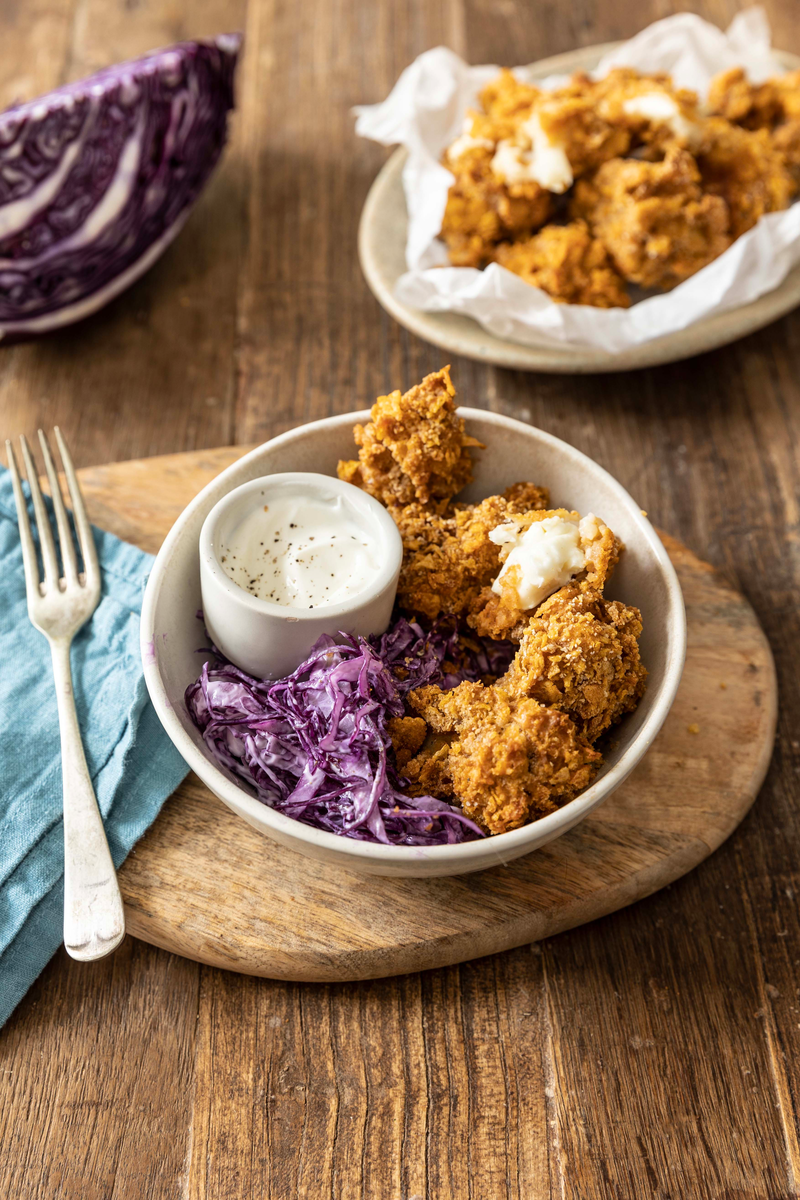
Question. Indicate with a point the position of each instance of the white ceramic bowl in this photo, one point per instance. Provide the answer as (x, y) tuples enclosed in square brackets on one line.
[(171, 633)]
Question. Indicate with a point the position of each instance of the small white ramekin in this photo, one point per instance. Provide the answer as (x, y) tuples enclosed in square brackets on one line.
[(269, 640)]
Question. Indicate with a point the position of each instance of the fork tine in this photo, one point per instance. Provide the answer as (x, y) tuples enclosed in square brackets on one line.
[(25, 536), (42, 519), (85, 535), (68, 556)]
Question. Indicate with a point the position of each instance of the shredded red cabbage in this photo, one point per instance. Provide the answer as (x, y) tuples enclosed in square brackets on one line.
[(315, 746)]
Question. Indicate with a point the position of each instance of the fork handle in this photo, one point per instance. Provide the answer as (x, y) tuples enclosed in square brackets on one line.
[(94, 920)]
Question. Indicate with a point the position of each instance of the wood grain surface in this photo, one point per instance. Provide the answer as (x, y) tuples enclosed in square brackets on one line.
[(652, 1055), (203, 884)]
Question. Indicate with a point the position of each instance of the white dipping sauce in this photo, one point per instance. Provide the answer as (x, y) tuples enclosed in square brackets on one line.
[(302, 551)]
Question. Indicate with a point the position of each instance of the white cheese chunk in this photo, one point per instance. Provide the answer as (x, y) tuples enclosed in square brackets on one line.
[(547, 555)]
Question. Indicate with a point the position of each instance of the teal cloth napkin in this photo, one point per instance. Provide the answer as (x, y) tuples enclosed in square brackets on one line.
[(133, 764)]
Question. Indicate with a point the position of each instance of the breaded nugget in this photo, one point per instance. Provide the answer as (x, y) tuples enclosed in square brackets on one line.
[(559, 139), (482, 209), (448, 558), (754, 105), (746, 169), (569, 264), (580, 654), (414, 448), (508, 99), (499, 614), (507, 760), (657, 223), (508, 159), (655, 113), (773, 105), (569, 119), (526, 497)]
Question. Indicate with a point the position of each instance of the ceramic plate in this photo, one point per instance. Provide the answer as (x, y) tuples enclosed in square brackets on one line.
[(381, 248)]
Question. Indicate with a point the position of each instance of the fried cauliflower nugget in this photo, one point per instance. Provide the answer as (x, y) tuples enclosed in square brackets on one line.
[(506, 760), (754, 105), (503, 162), (507, 99), (483, 209), (745, 168), (657, 223), (448, 558), (773, 105), (569, 264), (499, 614), (568, 119), (580, 654), (414, 448), (560, 137), (654, 112)]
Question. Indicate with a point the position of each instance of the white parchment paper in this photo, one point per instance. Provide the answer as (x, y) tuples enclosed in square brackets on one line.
[(425, 112)]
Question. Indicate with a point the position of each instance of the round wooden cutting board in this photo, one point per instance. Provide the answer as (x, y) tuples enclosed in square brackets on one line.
[(203, 884)]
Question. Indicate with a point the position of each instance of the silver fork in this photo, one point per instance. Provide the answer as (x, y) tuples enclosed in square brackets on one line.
[(94, 921)]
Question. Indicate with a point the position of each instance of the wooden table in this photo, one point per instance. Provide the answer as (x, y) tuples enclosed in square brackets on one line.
[(654, 1054)]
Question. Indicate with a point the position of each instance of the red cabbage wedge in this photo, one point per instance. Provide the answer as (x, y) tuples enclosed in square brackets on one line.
[(97, 178)]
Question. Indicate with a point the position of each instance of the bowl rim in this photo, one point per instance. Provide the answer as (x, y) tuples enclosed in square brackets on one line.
[(497, 848), (378, 515)]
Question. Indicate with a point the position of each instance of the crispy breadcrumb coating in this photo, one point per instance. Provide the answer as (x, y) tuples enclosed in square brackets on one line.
[(569, 264), (407, 734), (655, 112), (754, 105), (483, 209), (580, 654), (448, 558), (746, 169), (508, 760), (500, 615), (414, 448), (508, 99), (569, 118), (657, 223), (773, 105)]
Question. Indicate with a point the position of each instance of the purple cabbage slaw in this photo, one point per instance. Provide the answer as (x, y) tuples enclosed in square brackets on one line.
[(315, 745)]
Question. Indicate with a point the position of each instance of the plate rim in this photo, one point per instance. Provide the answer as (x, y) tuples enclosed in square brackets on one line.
[(459, 334)]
